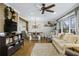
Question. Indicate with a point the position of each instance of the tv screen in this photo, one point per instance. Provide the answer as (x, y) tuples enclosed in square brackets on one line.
[(10, 26)]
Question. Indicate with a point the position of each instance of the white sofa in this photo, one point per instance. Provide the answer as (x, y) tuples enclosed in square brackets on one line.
[(64, 41)]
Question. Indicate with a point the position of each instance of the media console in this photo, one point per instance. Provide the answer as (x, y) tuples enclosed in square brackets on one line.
[(9, 44)]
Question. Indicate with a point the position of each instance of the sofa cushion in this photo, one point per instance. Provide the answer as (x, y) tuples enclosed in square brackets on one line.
[(77, 39), (70, 38), (58, 44), (60, 35), (77, 42), (71, 45), (61, 43), (67, 36)]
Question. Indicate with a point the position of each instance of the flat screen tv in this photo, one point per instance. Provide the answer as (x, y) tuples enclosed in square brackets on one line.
[(10, 26)]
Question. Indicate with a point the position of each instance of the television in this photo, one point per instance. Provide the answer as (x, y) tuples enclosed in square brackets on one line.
[(10, 26)]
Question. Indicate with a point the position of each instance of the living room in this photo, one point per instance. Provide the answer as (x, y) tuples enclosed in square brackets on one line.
[(39, 29)]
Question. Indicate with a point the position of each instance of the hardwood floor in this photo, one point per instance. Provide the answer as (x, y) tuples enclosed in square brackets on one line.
[(28, 46)]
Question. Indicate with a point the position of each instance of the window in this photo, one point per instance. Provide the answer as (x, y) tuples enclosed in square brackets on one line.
[(73, 24), (67, 25), (59, 29)]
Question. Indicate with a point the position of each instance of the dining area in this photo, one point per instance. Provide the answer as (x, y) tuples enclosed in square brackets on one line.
[(35, 35)]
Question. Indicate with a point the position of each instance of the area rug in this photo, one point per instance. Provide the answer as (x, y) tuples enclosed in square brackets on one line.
[(44, 49)]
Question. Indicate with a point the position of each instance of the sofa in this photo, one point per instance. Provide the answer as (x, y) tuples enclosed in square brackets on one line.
[(65, 40)]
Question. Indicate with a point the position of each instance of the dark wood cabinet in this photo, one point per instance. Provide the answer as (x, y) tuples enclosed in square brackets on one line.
[(12, 47), (2, 46), (3, 51)]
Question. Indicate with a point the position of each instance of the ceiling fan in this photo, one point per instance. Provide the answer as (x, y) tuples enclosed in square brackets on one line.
[(51, 23), (46, 8)]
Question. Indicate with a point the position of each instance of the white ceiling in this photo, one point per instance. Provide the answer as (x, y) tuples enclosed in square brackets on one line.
[(32, 10)]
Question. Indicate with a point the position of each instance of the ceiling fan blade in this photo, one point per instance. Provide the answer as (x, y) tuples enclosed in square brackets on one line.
[(42, 11), (49, 6), (49, 10)]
